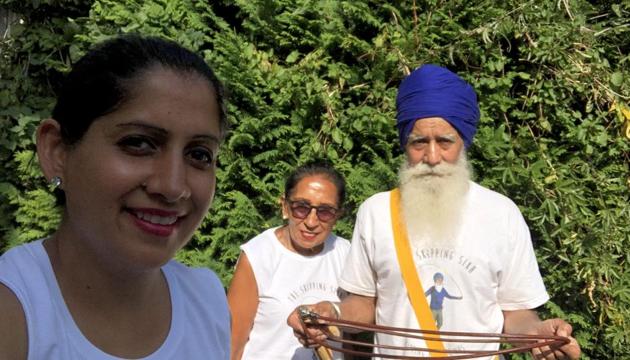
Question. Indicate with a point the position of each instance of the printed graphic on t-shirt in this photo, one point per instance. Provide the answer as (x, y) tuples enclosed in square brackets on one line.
[(449, 278), (312, 292), (436, 268), (439, 291)]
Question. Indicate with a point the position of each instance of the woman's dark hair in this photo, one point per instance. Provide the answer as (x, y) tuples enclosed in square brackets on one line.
[(313, 168), (100, 81)]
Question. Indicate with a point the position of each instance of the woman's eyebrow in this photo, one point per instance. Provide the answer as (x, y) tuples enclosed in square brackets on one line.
[(207, 138), (163, 132), (142, 125)]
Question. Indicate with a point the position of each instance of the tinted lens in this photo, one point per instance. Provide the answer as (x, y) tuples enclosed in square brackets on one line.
[(300, 211), (325, 213)]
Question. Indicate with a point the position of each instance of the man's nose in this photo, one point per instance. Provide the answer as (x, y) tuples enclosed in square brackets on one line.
[(433, 155)]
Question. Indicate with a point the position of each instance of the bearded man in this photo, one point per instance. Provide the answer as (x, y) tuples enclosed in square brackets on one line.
[(441, 221)]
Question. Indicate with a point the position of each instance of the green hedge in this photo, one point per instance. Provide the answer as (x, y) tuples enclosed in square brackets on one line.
[(318, 78)]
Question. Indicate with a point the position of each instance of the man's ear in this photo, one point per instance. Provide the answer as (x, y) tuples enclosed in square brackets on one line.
[(51, 149)]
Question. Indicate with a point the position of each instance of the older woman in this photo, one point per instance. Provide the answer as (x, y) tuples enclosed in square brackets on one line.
[(132, 144), (296, 263)]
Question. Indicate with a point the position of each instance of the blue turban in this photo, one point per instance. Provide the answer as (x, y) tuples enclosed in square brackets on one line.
[(433, 91)]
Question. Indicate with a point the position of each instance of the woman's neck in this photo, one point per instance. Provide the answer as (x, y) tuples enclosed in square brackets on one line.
[(82, 274), (284, 236), (110, 302)]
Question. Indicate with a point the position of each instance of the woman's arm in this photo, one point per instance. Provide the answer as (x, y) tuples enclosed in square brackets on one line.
[(13, 336), (243, 300)]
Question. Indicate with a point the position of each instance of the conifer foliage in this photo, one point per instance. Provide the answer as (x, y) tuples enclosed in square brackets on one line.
[(317, 79)]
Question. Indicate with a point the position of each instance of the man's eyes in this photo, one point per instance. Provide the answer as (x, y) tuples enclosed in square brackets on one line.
[(419, 141), (423, 141)]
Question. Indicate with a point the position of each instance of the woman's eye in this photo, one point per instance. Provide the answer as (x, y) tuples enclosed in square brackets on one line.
[(202, 157), (137, 145)]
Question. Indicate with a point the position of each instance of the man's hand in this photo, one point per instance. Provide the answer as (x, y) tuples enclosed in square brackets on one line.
[(557, 327), (528, 322)]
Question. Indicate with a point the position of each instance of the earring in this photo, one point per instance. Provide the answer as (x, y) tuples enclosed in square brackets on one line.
[(55, 182)]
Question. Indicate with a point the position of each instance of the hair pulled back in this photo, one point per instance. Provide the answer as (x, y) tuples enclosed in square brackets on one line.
[(100, 81), (313, 168)]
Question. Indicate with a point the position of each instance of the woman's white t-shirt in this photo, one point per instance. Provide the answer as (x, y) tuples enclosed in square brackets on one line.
[(286, 279), (200, 325)]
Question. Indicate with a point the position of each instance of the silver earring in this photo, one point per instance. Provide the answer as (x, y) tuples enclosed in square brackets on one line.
[(55, 182)]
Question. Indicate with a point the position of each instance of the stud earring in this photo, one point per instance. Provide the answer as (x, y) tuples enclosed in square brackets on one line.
[(55, 182)]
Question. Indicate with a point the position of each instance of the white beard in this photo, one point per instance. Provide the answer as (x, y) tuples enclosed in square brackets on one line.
[(432, 200)]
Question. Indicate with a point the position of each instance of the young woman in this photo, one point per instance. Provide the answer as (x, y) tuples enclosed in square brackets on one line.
[(132, 144), (288, 265)]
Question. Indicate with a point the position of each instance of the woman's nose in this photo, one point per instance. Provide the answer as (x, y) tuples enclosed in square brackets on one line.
[(169, 179), (311, 219)]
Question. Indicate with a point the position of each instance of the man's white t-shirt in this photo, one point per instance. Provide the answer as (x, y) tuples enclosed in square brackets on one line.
[(492, 268)]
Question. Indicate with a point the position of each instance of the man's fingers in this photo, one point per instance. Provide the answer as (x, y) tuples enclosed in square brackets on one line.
[(544, 353), (562, 328), (572, 349)]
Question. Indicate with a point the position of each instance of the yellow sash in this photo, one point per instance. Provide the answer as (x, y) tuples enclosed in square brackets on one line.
[(410, 275)]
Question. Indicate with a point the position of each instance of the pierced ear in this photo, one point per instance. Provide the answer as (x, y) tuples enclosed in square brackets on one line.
[(51, 150), (285, 213)]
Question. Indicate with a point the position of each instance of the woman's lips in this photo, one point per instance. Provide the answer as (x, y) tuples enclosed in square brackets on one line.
[(308, 235), (154, 221)]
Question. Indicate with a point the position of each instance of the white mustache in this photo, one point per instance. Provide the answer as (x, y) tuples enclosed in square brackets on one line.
[(422, 169)]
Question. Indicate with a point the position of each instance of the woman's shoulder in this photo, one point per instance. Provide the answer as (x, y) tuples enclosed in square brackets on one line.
[(338, 244), (13, 333), (262, 240), (21, 282), (21, 262), (30, 250), (339, 241), (192, 275)]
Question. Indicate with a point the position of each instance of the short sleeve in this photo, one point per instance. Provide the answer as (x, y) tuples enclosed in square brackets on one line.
[(521, 285), (357, 276)]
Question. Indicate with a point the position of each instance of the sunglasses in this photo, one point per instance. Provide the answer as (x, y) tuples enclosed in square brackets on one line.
[(301, 209)]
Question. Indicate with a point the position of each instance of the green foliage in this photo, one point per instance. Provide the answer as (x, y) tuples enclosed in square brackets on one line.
[(318, 78)]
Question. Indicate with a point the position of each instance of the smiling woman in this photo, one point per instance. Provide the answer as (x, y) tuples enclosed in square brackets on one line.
[(284, 266), (132, 147)]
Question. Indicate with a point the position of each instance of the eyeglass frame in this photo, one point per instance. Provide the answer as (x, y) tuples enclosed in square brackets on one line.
[(335, 211)]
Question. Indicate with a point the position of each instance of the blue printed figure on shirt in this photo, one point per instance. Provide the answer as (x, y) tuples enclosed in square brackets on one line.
[(438, 293)]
